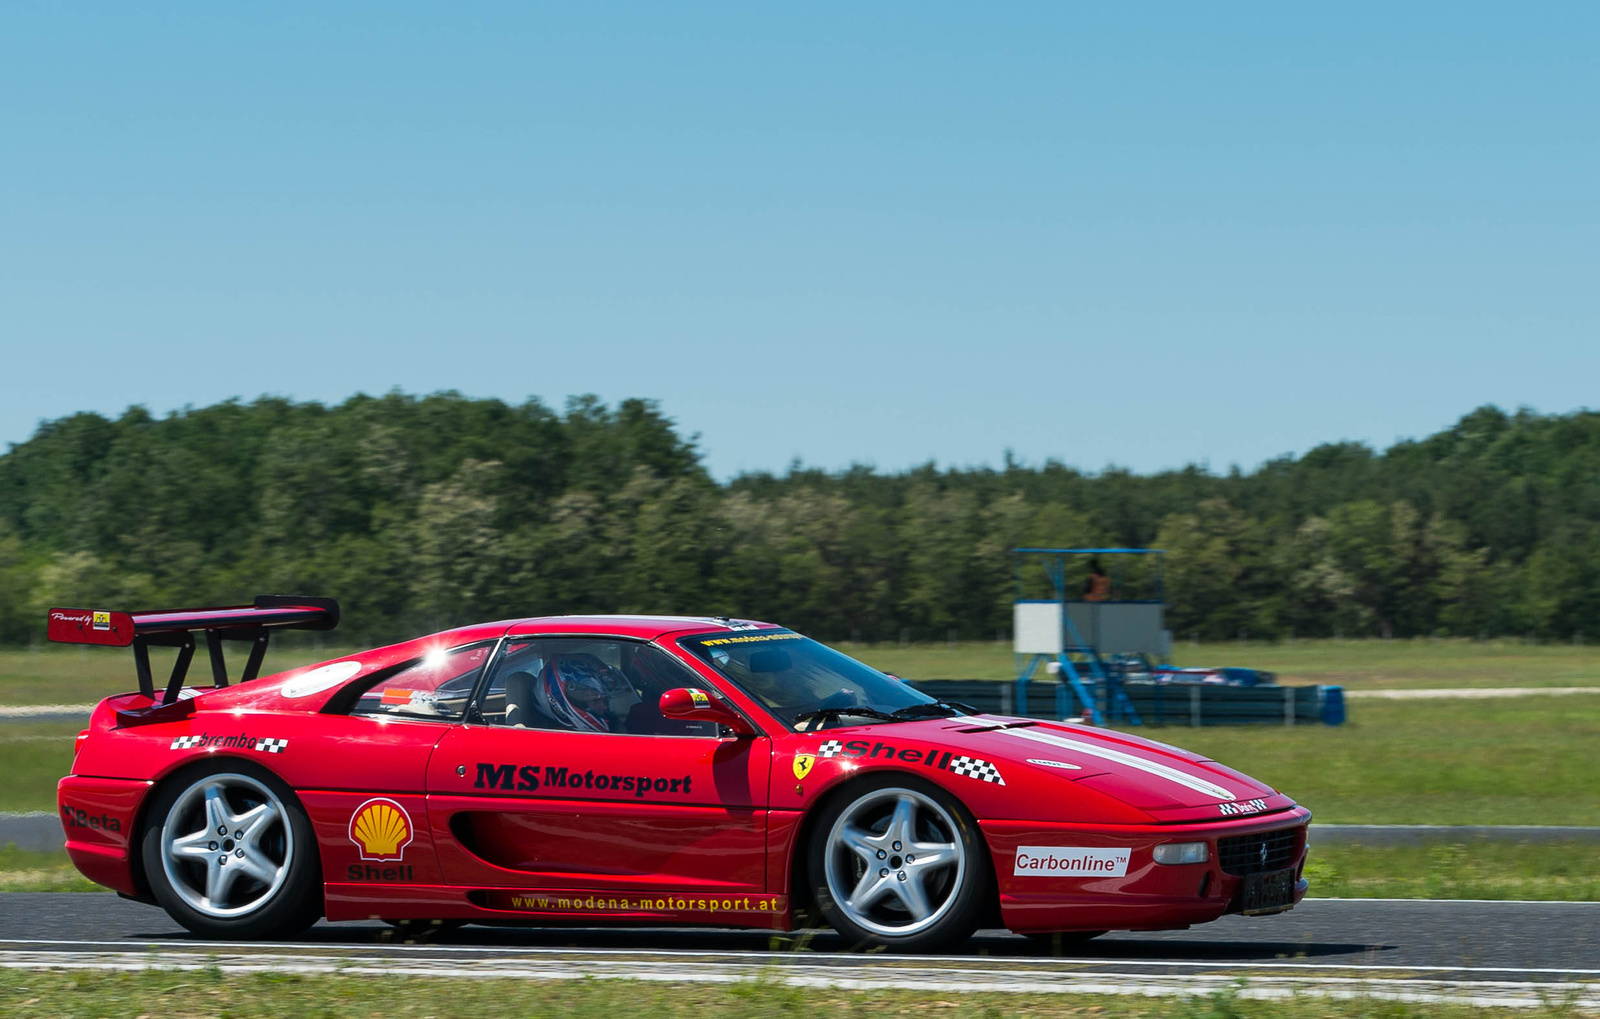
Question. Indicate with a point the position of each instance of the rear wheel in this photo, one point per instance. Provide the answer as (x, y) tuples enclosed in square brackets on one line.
[(229, 853), (897, 863)]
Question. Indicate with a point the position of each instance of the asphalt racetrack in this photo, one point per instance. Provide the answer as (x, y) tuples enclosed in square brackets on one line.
[(1505, 953)]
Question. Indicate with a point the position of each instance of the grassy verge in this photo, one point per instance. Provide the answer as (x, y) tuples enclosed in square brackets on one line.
[(1356, 664), (24, 871), (1523, 760), (55, 674), (33, 757), (68, 675), (1475, 869), (211, 993)]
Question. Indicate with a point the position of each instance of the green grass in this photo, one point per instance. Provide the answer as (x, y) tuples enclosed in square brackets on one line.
[(1524, 760), (1356, 664), (24, 871), (1520, 760), (33, 757), (82, 675), (1443, 869), (55, 674), (209, 993)]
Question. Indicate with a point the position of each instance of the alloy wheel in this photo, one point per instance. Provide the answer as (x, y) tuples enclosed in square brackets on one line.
[(894, 862), (227, 845)]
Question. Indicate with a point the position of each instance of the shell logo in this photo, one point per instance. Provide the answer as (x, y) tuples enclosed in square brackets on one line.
[(381, 829)]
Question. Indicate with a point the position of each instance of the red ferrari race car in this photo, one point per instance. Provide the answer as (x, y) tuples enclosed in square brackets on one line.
[(637, 770)]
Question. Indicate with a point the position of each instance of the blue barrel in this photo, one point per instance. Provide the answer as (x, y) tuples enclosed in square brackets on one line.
[(1333, 705)]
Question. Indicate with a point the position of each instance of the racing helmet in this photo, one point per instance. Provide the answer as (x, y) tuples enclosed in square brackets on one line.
[(580, 692)]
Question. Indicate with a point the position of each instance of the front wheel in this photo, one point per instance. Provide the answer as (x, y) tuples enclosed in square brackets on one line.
[(229, 853), (897, 863)]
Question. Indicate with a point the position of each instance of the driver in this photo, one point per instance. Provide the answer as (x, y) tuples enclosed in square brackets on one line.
[(577, 691)]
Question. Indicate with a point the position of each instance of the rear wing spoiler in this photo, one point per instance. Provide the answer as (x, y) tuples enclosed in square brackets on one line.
[(177, 627)]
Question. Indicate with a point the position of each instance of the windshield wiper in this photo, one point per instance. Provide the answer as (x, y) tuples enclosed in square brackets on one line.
[(822, 713), (937, 709)]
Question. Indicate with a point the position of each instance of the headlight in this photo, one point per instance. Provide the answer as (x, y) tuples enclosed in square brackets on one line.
[(1182, 852)]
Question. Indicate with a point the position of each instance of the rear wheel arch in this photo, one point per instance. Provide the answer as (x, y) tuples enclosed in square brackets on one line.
[(306, 890), (176, 772)]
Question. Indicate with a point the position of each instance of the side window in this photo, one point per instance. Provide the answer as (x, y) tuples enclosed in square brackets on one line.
[(579, 684), (439, 686)]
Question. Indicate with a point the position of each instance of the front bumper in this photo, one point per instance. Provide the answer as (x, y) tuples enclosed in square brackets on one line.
[(1147, 895)]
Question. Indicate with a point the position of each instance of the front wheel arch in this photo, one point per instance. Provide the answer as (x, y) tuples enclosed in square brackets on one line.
[(804, 906)]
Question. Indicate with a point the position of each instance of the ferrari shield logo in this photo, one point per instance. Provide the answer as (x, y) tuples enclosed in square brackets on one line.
[(802, 764)]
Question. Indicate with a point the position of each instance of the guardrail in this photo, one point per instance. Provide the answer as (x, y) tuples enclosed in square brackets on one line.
[(1192, 704)]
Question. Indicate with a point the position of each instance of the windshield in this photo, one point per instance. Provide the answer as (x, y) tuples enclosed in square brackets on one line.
[(806, 684)]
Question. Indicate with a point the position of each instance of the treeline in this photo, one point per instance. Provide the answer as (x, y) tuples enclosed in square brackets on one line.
[(420, 513)]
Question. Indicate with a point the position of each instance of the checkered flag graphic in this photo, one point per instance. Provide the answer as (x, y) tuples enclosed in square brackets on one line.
[(832, 748), (186, 742), (972, 767), (271, 746)]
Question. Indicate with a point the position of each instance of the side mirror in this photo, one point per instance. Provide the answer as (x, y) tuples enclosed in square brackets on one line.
[(692, 704)]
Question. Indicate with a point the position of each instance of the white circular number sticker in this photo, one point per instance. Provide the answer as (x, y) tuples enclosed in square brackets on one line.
[(318, 680)]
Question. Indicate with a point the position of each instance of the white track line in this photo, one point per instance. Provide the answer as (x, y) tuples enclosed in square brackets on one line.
[(768, 959), (866, 976), (30, 710), (1469, 692)]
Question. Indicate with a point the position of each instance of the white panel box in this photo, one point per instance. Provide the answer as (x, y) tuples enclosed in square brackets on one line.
[(1037, 627)]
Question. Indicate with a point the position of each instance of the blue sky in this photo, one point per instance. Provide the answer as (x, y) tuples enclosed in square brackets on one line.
[(1133, 234)]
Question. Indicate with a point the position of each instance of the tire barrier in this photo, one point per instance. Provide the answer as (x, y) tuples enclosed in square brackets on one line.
[(1190, 704)]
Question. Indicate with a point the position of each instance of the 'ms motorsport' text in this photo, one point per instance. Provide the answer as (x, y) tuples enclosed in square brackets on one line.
[(527, 778)]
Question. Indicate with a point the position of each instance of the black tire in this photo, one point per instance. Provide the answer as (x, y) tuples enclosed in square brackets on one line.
[(957, 895), (279, 840)]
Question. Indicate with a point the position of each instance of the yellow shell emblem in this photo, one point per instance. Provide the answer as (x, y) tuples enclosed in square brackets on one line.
[(381, 829), (802, 764)]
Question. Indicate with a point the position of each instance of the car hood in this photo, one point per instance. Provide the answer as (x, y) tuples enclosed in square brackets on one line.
[(1164, 781)]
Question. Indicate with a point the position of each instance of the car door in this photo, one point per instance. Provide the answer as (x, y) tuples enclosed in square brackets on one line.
[(547, 790), (369, 808)]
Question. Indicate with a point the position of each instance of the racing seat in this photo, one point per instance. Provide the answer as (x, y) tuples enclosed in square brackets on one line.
[(522, 710)]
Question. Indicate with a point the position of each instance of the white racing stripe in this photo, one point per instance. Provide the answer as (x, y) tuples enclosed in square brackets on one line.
[(1155, 768), (871, 975)]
